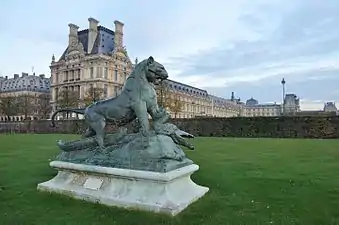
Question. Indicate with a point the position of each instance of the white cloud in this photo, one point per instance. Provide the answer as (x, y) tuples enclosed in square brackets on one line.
[(306, 104), (195, 26), (254, 74), (214, 44)]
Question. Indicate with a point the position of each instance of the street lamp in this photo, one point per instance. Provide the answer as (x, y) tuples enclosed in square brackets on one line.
[(283, 82)]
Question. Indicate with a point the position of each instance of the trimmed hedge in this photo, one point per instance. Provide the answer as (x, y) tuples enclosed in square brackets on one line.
[(277, 127)]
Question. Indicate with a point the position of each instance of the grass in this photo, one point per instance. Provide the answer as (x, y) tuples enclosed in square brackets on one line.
[(252, 181)]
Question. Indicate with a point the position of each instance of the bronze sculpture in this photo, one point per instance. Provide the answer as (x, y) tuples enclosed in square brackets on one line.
[(155, 147)]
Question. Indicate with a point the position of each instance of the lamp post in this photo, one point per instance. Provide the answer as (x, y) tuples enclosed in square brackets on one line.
[(283, 82)]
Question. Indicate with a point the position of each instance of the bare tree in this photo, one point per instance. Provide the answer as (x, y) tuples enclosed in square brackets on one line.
[(93, 94), (43, 106), (163, 94), (26, 105), (168, 98), (176, 104), (68, 99), (8, 106)]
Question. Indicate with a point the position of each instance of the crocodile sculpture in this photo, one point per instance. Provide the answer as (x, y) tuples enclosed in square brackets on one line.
[(122, 137)]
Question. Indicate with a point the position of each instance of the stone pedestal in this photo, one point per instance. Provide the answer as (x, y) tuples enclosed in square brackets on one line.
[(169, 192)]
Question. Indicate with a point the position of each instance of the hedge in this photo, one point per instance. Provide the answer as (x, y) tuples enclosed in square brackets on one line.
[(277, 127)]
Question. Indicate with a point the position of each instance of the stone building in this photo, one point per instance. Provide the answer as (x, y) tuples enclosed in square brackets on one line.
[(330, 107), (252, 108), (222, 107), (291, 104), (196, 102), (36, 90), (94, 57), (290, 107)]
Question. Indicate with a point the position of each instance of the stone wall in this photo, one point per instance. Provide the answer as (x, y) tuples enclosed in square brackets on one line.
[(280, 127)]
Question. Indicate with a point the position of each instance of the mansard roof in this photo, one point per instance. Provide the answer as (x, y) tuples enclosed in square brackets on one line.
[(104, 42), (25, 83), (184, 88)]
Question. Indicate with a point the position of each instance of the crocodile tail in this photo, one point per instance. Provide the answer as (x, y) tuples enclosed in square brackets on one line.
[(78, 111)]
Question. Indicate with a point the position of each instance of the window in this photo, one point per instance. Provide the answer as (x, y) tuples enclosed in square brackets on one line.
[(91, 72), (56, 93), (66, 75), (106, 73), (105, 90), (78, 89), (78, 74), (115, 75), (115, 91)]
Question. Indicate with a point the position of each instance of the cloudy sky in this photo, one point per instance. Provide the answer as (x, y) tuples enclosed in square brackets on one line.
[(245, 46)]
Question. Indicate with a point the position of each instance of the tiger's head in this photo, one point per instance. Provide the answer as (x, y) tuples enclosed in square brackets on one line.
[(155, 71)]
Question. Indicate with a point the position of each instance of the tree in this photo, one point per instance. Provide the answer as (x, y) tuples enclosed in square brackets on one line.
[(176, 104), (43, 106), (93, 94), (67, 99), (163, 94), (168, 98), (26, 105), (8, 106)]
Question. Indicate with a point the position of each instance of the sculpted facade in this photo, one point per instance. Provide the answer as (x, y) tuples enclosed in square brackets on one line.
[(94, 57)]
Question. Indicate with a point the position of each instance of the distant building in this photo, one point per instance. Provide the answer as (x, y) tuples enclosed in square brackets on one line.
[(222, 107), (330, 107), (315, 113), (329, 110), (196, 102), (94, 57), (291, 104), (252, 108), (38, 87)]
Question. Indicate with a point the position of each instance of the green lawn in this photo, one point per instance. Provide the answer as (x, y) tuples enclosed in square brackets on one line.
[(252, 181)]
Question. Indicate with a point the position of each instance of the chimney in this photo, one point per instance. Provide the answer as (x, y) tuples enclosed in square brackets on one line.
[(24, 74), (73, 34), (6, 77), (118, 34), (42, 76), (16, 76), (92, 33)]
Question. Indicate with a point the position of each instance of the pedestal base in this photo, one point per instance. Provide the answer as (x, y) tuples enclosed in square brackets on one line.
[(168, 193)]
